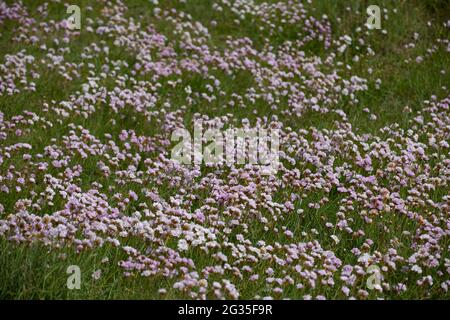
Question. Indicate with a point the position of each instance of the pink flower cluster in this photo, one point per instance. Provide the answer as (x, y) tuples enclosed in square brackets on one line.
[(342, 200)]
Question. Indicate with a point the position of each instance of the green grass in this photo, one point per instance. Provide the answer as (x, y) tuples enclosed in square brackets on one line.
[(34, 272)]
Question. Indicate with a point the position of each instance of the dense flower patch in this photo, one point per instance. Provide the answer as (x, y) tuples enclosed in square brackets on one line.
[(91, 166)]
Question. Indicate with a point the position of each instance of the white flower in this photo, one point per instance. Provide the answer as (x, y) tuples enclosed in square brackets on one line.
[(417, 269), (96, 274), (364, 258), (182, 245)]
